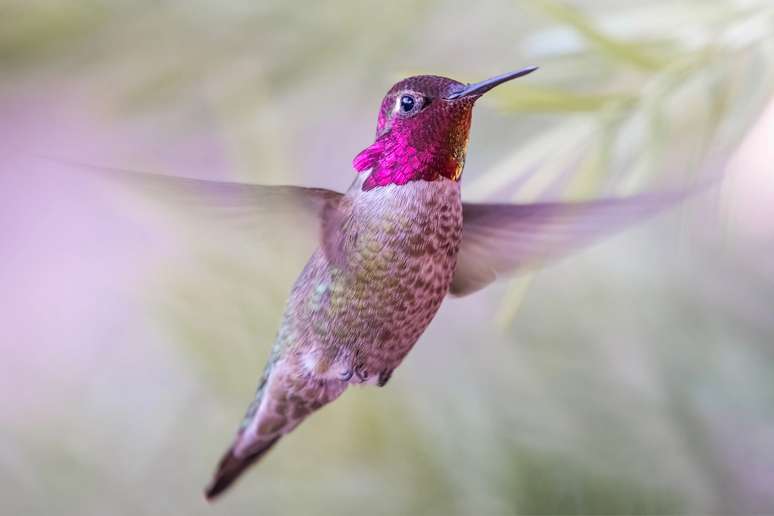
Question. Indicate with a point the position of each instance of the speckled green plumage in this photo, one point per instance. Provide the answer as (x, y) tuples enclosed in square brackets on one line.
[(355, 322)]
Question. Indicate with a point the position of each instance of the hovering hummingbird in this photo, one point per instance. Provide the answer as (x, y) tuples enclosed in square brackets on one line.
[(387, 253), (390, 250)]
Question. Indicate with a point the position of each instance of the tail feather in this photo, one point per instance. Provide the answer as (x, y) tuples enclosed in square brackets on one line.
[(231, 467), (283, 400)]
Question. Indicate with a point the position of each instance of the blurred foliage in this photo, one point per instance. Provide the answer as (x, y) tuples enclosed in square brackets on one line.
[(618, 389)]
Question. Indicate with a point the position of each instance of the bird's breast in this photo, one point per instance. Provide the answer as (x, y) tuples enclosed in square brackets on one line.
[(399, 252)]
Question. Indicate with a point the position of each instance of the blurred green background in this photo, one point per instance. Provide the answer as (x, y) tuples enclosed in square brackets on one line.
[(633, 378)]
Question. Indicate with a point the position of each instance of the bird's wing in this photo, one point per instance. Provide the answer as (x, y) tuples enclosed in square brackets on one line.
[(503, 239), (312, 215)]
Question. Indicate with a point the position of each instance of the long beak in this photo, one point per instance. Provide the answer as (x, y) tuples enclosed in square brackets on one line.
[(479, 88)]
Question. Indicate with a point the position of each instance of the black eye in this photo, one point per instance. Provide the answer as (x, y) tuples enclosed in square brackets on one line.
[(407, 103)]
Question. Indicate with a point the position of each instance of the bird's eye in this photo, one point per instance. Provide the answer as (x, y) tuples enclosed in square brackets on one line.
[(407, 103)]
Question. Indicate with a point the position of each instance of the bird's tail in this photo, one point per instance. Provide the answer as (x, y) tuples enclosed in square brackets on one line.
[(231, 466), (283, 400)]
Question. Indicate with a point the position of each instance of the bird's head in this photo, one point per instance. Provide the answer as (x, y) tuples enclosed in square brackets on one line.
[(423, 127)]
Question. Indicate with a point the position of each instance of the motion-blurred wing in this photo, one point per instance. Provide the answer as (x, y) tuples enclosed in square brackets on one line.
[(503, 239), (309, 214)]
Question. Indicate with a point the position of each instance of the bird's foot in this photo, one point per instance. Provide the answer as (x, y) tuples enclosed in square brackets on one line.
[(384, 377), (362, 373)]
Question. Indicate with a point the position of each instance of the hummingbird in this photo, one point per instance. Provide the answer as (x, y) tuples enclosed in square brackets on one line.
[(388, 251)]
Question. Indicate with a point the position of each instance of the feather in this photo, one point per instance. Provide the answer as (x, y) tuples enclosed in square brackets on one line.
[(506, 239), (310, 215)]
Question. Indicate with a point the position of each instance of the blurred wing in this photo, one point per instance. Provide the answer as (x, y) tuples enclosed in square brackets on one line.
[(504, 239), (309, 214)]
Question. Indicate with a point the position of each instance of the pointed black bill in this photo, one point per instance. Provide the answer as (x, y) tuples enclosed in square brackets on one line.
[(479, 88)]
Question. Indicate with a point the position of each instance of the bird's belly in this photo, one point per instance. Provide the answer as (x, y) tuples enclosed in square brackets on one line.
[(357, 322)]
